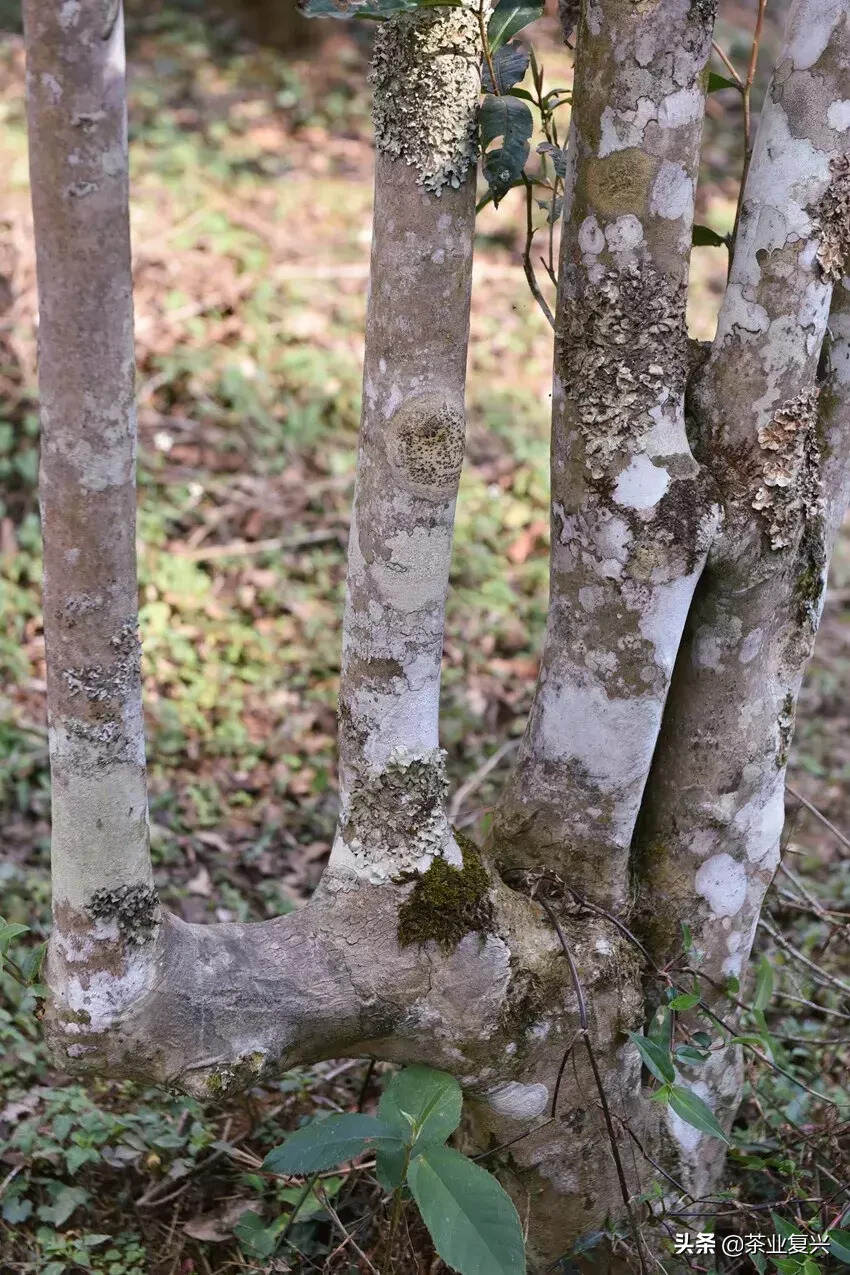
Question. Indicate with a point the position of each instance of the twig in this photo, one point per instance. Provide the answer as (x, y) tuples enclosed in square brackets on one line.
[(813, 1005), (246, 548), (823, 974), (370, 1071), (477, 778), (804, 801), (347, 1236), (485, 44), (600, 1088), (527, 264), (746, 93), (729, 66)]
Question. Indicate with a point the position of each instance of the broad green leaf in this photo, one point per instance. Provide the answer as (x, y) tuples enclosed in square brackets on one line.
[(64, 1203), (510, 64), (764, 985), (10, 930), (420, 1102), (685, 1000), (695, 1112), (472, 1221), (688, 1054), (656, 1057), (325, 1143), (687, 937), (390, 1165), (702, 1039), (717, 82), (255, 1238), (16, 1209), (705, 237), (510, 16), (839, 1245), (509, 118), (782, 1226)]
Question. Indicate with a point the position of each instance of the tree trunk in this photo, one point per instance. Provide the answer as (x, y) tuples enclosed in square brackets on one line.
[(686, 587)]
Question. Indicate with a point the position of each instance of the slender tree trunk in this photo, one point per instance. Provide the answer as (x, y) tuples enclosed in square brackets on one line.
[(632, 514), (104, 906), (712, 818)]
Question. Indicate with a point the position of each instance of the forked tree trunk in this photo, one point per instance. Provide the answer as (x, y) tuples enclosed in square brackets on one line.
[(648, 790)]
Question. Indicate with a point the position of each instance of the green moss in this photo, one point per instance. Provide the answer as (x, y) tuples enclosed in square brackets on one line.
[(808, 586), (447, 902), (785, 724)]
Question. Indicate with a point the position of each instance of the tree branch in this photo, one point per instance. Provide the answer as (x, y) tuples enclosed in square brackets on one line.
[(104, 905), (708, 842), (631, 514), (392, 778)]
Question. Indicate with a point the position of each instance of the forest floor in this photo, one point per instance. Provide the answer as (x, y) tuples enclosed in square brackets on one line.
[(251, 177)]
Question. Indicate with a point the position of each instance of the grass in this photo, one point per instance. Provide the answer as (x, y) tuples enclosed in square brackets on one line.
[(251, 208)]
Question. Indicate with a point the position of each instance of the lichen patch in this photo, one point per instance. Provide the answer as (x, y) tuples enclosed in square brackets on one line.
[(133, 908), (833, 218), (426, 80), (624, 351), (397, 816), (425, 445), (789, 494), (97, 682)]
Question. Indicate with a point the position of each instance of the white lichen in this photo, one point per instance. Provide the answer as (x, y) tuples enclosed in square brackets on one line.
[(624, 353), (789, 493), (833, 217), (426, 79)]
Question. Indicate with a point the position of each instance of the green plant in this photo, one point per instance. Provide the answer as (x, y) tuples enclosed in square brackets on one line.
[(472, 1221)]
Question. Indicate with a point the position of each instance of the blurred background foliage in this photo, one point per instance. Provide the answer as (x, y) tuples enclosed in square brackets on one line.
[(251, 179)]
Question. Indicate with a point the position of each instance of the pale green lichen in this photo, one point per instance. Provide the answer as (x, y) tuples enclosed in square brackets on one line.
[(426, 79), (425, 445), (398, 815)]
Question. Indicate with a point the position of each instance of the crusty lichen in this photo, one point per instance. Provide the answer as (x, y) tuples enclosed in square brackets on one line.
[(98, 683), (623, 351), (133, 908), (447, 902), (425, 443), (789, 492), (397, 817), (833, 218), (426, 79)]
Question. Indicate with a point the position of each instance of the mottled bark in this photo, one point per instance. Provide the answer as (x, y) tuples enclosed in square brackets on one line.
[(632, 515), (708, 843), (426, 80), (104, 905)]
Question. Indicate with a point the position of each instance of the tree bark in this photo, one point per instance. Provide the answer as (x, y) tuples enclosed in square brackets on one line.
[(708, 844), (104, 906), (632, 515)]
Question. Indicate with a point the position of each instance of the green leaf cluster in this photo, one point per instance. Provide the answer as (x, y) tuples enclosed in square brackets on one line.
[(472, 1221)]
